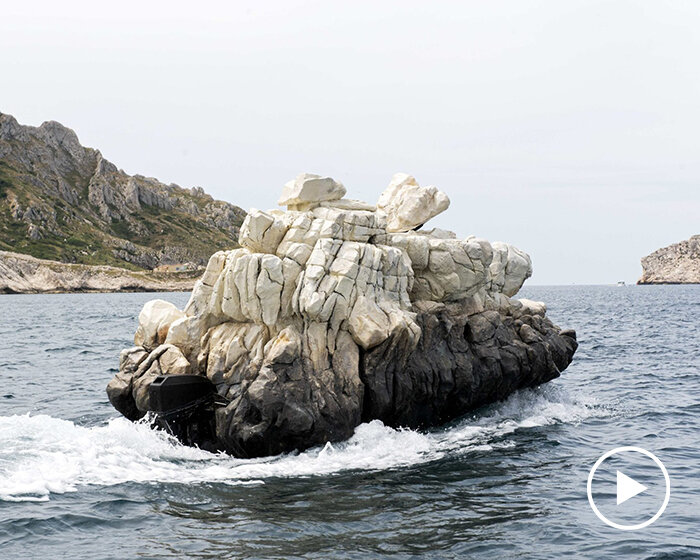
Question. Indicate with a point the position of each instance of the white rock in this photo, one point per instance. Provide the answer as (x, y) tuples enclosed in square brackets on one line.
[(369, 325), (201, 294), (154, 321), (173, 361), (438, 233), (509, 269), (309, 188), (518, 269), (398, 181), (348, 204), (262, 232), (285, 348), (531, 307), (319, 281), (268, 288), (408, 205), (234, 349), (186, 333), (142, 384)]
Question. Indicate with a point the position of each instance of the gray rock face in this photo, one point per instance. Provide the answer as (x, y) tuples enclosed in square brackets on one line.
[(676, 264), (63, 201), (324, 319), (464, 359)]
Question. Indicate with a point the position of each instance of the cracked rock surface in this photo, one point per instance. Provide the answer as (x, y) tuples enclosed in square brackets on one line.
[(676, 264), (336, 312)]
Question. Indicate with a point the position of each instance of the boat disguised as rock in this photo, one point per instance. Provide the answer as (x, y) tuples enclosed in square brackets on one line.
[(337, 312)]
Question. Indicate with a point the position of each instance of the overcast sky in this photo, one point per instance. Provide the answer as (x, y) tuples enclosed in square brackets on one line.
[(570, 129)]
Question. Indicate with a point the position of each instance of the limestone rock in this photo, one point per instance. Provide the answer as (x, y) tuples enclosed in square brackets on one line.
[(119, 389), (184, 333), (309, 188), (154, 321), (261, 232), (368, 324), (348, 204), (200, 302), (284, 348), (408, 205), (234, 352), (509, 269), (676, 264), (173, 361), (330, 314), (141, 385), (398, 181)]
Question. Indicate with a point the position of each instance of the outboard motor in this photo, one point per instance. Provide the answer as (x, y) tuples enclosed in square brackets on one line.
[(184, 407)]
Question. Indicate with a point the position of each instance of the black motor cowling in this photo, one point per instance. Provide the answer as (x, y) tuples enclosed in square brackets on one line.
[(184, 407)]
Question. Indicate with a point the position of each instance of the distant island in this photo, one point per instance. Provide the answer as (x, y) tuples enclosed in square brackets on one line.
[(66, 204), (676, 264)]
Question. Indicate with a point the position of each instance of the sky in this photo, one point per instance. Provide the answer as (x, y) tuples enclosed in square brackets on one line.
[(569, 129)]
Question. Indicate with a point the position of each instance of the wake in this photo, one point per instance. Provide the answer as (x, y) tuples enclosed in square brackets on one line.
[(41, 455)]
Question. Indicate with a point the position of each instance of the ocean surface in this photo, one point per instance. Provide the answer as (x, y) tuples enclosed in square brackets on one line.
[(507, 481)]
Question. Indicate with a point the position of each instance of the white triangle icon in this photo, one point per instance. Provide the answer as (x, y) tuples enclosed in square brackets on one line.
[(627, 488)]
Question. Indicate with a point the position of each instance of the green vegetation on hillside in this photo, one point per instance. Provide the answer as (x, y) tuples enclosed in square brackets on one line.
[(40, 180)]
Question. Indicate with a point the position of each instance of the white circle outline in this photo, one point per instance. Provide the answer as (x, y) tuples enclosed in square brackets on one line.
[(658, 464)]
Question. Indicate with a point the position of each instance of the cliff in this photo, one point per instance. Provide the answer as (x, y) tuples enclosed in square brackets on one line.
[(65, 202), (676, 264), (338, 312), (25, 274)]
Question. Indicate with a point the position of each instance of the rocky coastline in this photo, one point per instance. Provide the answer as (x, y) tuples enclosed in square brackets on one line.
[(336, 312), (23, 274), (62, 201), (676, 264)]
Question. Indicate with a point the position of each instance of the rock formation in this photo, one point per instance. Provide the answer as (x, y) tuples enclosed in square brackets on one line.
[(676, 264), (22, 274), (64, 202), (337, 312)]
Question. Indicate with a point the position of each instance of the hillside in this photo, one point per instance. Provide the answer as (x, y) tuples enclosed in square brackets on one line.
[(62, 201), (676, 264)]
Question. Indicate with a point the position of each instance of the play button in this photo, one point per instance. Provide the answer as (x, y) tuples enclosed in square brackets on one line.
[(627, 488), (642, 488)]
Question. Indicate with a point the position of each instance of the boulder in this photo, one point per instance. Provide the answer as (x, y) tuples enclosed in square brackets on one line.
[(173, 361), (336, 312), (262, 232), (154, 321), (509, 269), (408, 205), (120, 388), (308, 188)]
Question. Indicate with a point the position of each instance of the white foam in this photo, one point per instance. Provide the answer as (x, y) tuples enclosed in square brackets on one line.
[(41, 455)]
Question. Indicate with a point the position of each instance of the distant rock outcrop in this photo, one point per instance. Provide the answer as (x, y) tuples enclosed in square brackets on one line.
[(62, 201), (23, 274), (336, 312), (676, 264)]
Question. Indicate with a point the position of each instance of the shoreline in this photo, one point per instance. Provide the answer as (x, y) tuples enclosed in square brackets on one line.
[(22, 274), (96, 291)]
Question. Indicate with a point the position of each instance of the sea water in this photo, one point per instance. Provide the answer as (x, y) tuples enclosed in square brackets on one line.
[(508, 480)]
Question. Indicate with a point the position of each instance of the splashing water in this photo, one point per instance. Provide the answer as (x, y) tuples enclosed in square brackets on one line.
[(41, 455)]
